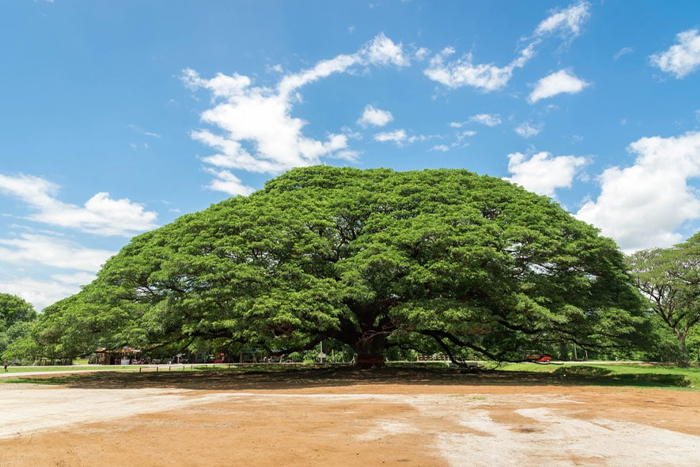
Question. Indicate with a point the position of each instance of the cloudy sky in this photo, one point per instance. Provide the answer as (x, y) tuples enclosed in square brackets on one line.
[(118, 116)]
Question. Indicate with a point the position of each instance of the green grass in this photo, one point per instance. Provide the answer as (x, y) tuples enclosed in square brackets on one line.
[(151, 368), (639, 375), (61, 368)]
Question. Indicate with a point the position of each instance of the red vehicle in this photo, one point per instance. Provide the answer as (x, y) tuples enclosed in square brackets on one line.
[(219, 358), (539, 358)]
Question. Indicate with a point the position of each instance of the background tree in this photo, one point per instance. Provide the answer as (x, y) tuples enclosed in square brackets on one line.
[(372, 259), (670, 279), (16, 315)]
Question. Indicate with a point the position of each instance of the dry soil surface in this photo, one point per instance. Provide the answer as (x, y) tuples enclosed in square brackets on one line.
[(134, 421)]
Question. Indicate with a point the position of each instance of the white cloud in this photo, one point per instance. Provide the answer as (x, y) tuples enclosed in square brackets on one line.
[(421, 53), (290, 83), (350, 133), (483, 119), (440, 147), (486, 119), (465, 134), (643, 206), (145, 132), (682, 58), (383, 51), (557, 83), (227, 182), (526, 130), (415, 138), (566, 22), (255, 129), (398, 137), (463, 72), (51, 251), (623, 51), (543, 173), (42, 293), (376, 117), (275, 68), (347, 155), (100, 214)]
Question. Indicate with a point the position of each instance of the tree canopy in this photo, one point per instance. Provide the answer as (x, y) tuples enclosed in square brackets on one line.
[(670, 279), (374, 259), (15, 316)]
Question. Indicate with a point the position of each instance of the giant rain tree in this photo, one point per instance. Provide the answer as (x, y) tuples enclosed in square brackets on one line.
[(372, 259)]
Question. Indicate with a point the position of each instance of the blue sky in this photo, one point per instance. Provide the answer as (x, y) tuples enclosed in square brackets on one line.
[(119, 116)]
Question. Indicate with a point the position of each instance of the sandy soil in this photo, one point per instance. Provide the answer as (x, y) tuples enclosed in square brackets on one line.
[(345, 423)]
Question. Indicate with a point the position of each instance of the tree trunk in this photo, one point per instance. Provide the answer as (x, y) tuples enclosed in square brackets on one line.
[(684, 359), (370, 349)]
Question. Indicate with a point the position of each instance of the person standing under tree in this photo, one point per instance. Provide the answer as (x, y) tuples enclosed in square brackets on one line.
[(5, 365)]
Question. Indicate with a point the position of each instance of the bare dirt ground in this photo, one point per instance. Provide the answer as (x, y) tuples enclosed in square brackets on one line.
[(350, 419)]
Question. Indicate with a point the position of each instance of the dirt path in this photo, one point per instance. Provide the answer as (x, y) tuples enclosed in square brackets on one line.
[(349, 425)]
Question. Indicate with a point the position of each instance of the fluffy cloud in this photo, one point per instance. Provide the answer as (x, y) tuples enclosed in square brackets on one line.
[(566, 22), (643, 205), (489, 77), (255, 129), (42, 293), (557, 83), (440, 147), (51, 251), (227, 182), (398, 137), (99, 215), (543, 173), (421, 53), (682, 58), (463, 72), (526, 130), (375, 117), (464, 134), (31, 252), (382, 51), (486, 119), (483, 119)]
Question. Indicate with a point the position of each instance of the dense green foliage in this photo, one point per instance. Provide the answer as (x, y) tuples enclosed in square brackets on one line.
[(670, 279), (16, 316), (437, 260)]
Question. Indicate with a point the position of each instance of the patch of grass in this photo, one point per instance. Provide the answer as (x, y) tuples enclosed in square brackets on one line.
[(64, 368), (583, 371), (631, 375), (637, 375), (49, 380), (527, 367)]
